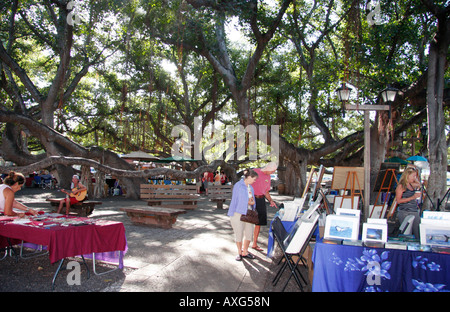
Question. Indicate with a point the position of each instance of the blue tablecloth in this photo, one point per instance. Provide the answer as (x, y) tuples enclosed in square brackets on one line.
[(360, 269), (288, 225)]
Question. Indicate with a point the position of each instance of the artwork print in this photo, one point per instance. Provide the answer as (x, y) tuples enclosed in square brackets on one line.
[(374, 232), (341, 227), (432, 235)]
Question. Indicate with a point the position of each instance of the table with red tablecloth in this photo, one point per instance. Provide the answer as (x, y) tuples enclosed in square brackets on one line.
[(62, 241)]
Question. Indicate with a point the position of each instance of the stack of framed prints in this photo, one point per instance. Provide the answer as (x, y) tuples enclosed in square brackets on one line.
[(435, 229)]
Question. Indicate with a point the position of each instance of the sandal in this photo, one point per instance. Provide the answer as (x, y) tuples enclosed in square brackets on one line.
[(257, 248), (249, 256), (238, 258)]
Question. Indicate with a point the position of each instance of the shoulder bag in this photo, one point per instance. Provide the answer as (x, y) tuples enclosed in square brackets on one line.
[(250, 217)]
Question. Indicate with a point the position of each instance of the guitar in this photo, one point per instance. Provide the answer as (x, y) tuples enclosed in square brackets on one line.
[(80, 196)]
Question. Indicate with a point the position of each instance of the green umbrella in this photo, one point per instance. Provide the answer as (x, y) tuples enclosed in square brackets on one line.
[(397, 160)]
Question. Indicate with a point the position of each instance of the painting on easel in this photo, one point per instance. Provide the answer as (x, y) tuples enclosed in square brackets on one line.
[(341, 176), (349, 180)]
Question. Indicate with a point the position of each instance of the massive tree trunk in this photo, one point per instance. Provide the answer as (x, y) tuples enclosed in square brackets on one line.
[(437, 145)]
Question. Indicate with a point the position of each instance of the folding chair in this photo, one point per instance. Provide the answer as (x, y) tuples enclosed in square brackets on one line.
[(280, 234), (47, 183), (293, 245)]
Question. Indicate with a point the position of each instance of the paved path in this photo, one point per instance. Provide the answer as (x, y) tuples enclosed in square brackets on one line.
[(196, 255)]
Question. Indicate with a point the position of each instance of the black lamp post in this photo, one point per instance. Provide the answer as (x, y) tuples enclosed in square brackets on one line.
[(424, 132), (388, 96), (343, 94)]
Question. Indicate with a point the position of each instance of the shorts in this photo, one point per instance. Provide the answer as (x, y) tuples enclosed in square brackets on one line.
[(242, 230), (262, 210), (73, 200)]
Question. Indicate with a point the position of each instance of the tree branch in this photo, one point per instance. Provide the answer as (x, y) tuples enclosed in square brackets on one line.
[(69, 161)]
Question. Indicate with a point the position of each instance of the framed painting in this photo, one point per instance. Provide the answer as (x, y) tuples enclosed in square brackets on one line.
[(341, 227), (343, 178), (374, 232), (435, 235)]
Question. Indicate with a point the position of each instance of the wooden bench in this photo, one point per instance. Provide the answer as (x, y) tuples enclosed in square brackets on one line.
[(157, 216), (219, 194), (170, 196), (83, 209)]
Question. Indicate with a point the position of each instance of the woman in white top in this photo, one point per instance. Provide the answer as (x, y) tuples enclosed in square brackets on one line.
[(11, 184)]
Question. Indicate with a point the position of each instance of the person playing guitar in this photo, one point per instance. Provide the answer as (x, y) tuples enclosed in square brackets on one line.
[(77, 195)]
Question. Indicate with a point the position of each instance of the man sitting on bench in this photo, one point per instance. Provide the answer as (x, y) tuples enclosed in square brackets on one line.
[(77, 195)]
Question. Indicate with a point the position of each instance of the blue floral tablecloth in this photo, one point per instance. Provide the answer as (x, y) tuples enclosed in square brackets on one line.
[(360, 269)]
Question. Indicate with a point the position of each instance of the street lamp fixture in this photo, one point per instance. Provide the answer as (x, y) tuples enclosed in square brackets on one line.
[(424, 132), (343, 94), (388, 96)]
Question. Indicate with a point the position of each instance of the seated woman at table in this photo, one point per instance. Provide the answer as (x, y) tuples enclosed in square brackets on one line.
[(12, 183), (242, 199), (77, 195), (406, 193)]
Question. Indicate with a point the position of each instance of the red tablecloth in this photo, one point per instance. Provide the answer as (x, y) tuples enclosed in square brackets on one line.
[(69, 241)]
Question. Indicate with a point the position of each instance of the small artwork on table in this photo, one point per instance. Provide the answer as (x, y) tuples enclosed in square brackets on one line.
[(434, 235), (342, 227), (374, 232)]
